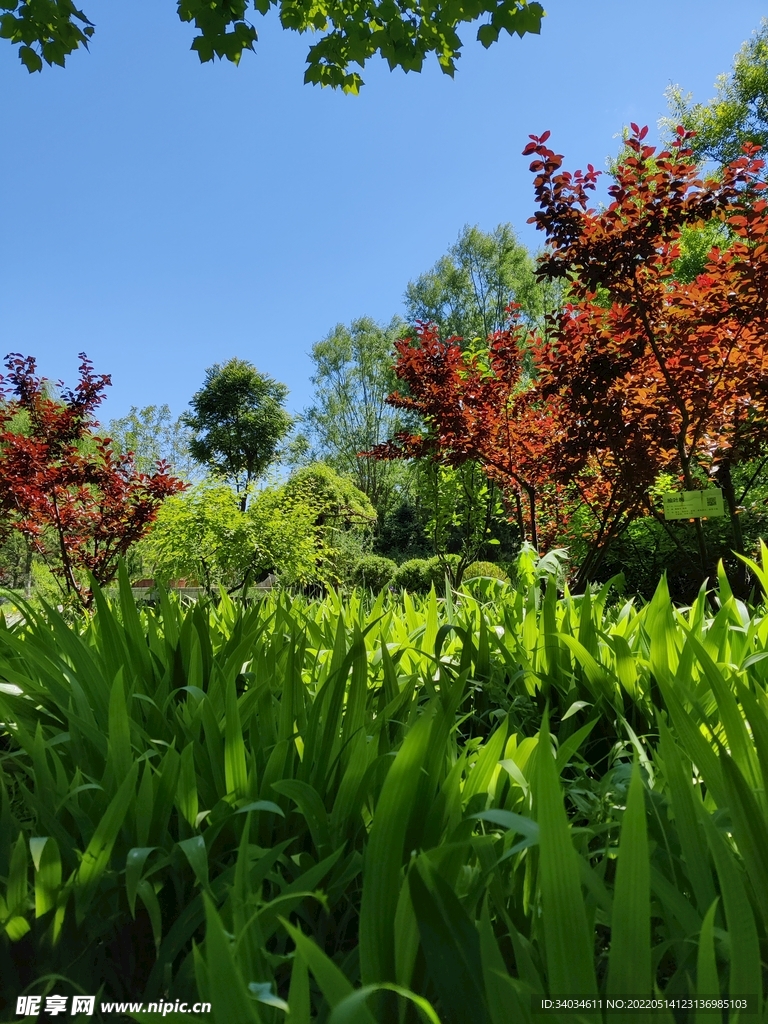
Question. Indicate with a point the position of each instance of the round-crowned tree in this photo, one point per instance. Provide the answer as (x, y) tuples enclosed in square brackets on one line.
[(238, 422)]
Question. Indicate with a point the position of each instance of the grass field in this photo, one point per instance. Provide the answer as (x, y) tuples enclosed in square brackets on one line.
[(388, 809)]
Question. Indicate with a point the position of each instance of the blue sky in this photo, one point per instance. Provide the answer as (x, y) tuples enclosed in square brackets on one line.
[(163, 215)]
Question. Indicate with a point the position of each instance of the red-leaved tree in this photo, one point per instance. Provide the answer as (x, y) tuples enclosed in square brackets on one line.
[(483, 404), (640, 372), (79, 504), (652, 372)]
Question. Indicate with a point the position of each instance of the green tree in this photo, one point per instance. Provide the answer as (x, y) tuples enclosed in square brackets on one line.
[(237, 423), (352, 379), (465, 516), (349, 33), (339, 504), (16, 559), (402, 532), (738, 113), (305, 531), (344, 519), (468, 290), (153, 435), (205, 535)]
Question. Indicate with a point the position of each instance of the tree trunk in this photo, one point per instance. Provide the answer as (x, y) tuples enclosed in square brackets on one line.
[(725, 480), (700, 538), (534, 530), (28, 573)]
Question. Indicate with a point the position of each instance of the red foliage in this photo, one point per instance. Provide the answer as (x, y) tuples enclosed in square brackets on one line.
[(640, 371), (484, 406), (61, 485), (664, 371), (657, 373)]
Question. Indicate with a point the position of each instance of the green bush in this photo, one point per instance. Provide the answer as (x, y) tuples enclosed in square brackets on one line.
[(418, 575), (374, 572), (413, 575), (489, 570), (204, 534), (439, 566)]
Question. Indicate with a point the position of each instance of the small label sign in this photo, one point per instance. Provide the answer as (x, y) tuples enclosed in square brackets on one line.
[(694, 504)]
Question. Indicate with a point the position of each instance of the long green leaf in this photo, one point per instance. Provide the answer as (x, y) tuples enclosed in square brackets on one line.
[(451, 946), (707, 980), (353, 1009), (684, 801), (235, 768), (98, 852), (569, 944), (229, 995), (384, 856), (629, 966), (333, 984), (746, 972), (47, 861)]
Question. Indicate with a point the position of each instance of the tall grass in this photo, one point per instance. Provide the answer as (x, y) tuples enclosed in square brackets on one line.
[(389, 809)]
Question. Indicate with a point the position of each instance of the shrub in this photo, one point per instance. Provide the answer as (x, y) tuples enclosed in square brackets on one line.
[(413, 575), (343, 518), (206, 535), (439, 566), (489, 570), (374, 572), (419, 574)]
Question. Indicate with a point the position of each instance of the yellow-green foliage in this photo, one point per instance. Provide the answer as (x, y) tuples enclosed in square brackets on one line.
[(296, 531), (488, 570)]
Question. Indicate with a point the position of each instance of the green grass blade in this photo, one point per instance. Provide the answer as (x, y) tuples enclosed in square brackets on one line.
[(235, 764), (134, 866), (451, 946), (406, 938), (149, 898), (230, 998), (629, 966), (311, 806), (482, 772), (758, 720), (494, 970), (749, 829), (739, 740), (707, 980), (194, 849), (120, 756), (569, 944), (99, 850), (684, 800), (16, 891), (186, 793), (47, 861), (384, 856), (746, 973), (694, 744), (166, 781), (353, 1009), (333, 984), (299, 1005)]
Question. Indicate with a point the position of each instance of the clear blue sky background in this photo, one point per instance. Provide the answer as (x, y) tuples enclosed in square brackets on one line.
[(163, 215)]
